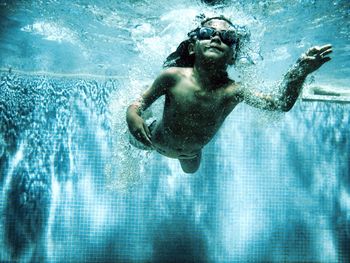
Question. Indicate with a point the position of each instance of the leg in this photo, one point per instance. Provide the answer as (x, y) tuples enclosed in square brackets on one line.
[(191, 165)]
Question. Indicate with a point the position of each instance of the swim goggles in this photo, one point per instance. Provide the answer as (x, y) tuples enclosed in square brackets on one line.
[(204, 33)]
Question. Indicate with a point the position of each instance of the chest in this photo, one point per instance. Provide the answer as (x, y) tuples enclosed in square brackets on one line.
[(189, 98)]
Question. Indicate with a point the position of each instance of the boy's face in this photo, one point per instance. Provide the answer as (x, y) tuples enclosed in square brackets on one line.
[(215, 49)]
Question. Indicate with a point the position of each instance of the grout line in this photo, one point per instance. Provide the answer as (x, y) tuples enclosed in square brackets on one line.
[(307, 97), (338, 99), (65, 75)]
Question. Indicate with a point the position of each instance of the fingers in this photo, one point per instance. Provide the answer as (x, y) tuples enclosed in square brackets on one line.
[(325, 59), (320, 51), (326, 52), (144, 136), (312, 51), (148, 133), (314, 58), (325, 48), (319, 54)]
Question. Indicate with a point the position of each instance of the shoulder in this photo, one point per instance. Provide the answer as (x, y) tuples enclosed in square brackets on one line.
[(234, 91), (176, 72), (173, 75), (167, 77)]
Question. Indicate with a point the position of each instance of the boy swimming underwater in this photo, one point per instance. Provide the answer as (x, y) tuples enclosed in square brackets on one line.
[(199, 95)]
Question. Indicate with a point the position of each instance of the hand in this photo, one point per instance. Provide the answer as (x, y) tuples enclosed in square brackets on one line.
[(140, 131), (314, 58)]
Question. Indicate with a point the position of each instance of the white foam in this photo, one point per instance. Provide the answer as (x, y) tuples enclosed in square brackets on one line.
[(51, 31)]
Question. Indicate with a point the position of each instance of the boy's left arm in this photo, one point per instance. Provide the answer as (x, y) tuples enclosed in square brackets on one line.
[(292, 82)]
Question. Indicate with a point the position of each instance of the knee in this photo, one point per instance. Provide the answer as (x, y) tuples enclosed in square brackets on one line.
[(188, 170), (189, 167)]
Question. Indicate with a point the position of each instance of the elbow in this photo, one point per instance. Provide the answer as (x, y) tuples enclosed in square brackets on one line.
[(286, 107), (283, 106), (135, 107), (131, 111), (130, 108)]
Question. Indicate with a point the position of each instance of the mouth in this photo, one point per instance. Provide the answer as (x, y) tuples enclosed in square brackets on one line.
[(215, 48)]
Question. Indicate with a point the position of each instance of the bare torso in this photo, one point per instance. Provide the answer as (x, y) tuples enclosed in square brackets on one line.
[(192, 115)]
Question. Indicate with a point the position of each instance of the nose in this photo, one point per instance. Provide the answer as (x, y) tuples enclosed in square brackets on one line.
[(216, 37)]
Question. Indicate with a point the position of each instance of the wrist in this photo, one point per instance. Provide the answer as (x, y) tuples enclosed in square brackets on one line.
[(298, 71)]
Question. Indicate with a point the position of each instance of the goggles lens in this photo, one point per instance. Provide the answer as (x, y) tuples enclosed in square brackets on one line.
[(226, 36)]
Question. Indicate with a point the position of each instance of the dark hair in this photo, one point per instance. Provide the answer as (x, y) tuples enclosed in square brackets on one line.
[(181, 58), (203, 22)]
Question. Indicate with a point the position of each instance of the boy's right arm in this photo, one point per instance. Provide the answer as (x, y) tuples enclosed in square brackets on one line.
[(136, 124)]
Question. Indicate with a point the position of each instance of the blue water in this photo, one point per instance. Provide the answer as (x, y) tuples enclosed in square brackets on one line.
[(272, 187)]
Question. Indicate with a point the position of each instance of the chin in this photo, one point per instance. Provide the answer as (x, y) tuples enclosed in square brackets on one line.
[(216, 59)]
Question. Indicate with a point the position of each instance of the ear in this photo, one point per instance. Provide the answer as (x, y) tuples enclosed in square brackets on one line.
[(232, 58), (191, 48)]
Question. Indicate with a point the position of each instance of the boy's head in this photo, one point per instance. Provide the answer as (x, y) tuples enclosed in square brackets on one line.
[(215, 39)]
